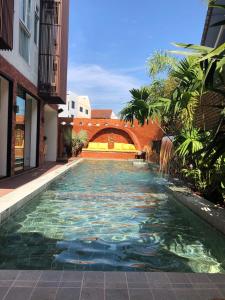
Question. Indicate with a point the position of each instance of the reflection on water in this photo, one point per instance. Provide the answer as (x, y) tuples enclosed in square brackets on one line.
[(109, 216)]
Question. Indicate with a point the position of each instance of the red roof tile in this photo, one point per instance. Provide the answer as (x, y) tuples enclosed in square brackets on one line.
[(101, 113)]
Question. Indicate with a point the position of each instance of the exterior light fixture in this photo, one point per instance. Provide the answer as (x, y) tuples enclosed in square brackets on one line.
[(106, 124), (71, 123), (97, 125), (89, 124), (63, 123)]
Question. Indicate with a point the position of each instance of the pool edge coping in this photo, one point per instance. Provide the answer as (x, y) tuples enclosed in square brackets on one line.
[(16, 199), (206, 210)]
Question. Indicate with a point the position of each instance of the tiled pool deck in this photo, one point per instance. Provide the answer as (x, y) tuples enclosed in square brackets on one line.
[(68, 285)]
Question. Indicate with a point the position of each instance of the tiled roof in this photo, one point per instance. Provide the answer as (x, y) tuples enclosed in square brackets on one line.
[(101, 113)]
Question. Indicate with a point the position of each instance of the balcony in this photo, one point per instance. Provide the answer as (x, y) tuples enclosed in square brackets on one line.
[(6, 24), (53, 54)]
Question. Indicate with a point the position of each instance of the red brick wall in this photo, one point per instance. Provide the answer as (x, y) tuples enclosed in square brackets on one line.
[(14, 76)]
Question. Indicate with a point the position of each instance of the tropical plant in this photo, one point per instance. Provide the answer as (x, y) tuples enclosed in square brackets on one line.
[(78, 141)]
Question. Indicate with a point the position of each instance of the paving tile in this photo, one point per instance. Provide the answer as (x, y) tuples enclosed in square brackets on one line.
[(163, 294), (48, 284), (51, 276), (141, 294), (92, 294), (19, 293), (22, 283), (222, 291), (138, 285), (8, 274), (6, 283), (70, 284), (68, 294), (157, 277), (3, 291), (44, 294), (92, 284), (94, 276), (116, 294), (186, 294), (181, 285), (220, 278), (29, 275), (72, 276), (115, 280), (136, 277), (210, 294), (198, 278), (178, 278), (115, 277)]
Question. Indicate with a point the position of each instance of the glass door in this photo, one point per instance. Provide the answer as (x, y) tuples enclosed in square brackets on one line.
[(20, 134)]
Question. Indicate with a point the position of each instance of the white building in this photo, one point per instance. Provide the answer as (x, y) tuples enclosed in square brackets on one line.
[(76, 107)]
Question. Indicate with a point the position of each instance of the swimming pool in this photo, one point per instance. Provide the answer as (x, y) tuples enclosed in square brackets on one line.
[(109, 215)]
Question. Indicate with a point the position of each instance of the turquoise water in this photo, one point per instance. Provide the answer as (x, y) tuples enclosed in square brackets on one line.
[(106, 215)]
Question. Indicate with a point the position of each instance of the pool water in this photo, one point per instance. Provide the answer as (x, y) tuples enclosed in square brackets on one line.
[(110, 215)]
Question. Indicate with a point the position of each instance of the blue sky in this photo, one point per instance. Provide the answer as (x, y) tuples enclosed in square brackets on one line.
[(110, 41)]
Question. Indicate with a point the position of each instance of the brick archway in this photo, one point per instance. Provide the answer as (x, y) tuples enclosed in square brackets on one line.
[(123, 135)]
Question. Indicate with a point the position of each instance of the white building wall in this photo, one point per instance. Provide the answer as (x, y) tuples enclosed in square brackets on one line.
[(4, 95), (29, 70), (80, 101)]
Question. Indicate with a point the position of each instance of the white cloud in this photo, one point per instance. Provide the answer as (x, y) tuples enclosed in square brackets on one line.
[(106, 88)]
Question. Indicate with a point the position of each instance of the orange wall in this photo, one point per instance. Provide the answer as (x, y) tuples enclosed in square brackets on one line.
[(119, 130)]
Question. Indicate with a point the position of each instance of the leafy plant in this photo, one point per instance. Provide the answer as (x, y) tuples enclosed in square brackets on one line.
[(78, 141)]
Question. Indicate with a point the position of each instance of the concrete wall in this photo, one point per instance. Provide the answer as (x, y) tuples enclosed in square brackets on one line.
[(29, 70), (51, 132), (4, 94)]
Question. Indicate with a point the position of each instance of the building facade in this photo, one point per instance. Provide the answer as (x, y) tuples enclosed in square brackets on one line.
[(76, 107), (33, 64)]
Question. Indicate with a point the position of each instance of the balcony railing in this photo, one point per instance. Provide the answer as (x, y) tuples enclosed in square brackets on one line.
[(54, 16), (6, 24)]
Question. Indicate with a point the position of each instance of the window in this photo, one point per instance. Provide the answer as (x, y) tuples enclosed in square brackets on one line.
[(25, 9), (24, 31), (73, 104), (72, 116), (24, 43), (36, 25), (86, 111), (81, 109)]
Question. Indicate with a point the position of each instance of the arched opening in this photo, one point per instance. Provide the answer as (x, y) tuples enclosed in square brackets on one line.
[(115, 137)]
